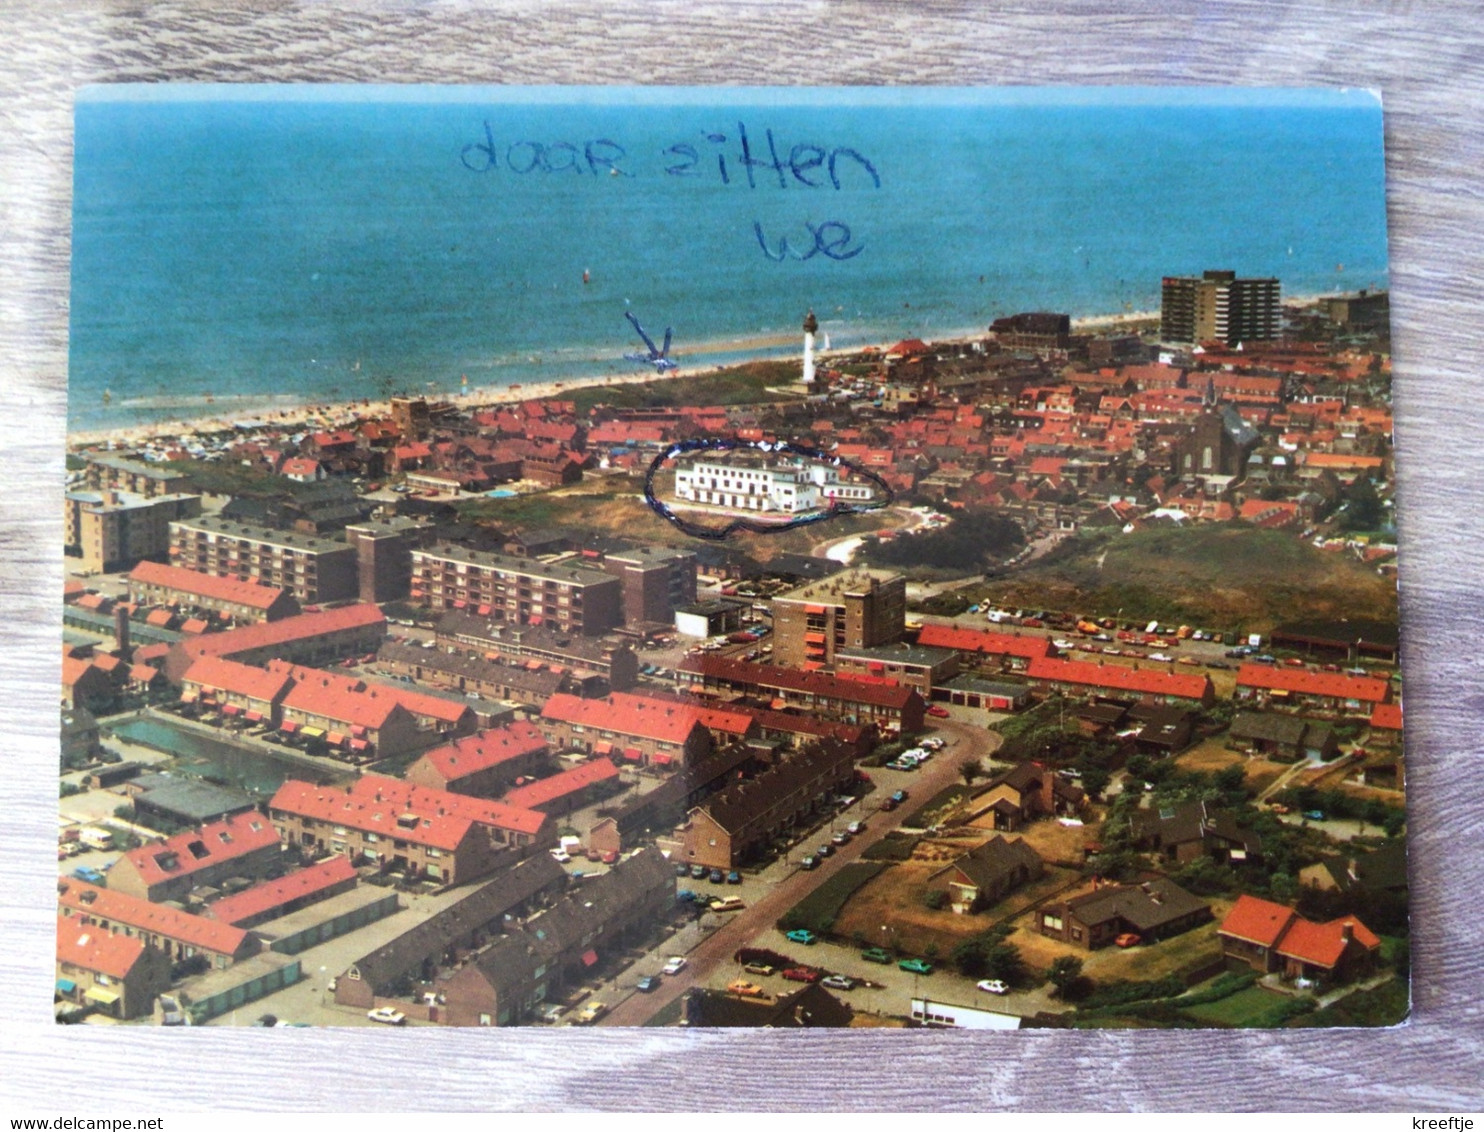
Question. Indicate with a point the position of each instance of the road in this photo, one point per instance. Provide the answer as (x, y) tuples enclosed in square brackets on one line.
[(912, 519), (965, 741)]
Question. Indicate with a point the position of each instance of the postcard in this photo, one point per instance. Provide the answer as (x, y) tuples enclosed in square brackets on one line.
[(577, 556)]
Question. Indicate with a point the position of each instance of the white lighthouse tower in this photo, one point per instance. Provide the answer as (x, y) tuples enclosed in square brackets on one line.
[(811, 324)]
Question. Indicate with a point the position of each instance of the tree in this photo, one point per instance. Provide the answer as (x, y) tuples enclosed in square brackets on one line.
[(1064, 971), (1363, 507), (971, 769), (1095, 780)]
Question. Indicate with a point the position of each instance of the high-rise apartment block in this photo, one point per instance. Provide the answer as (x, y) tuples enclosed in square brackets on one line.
[(1219, 306), (857, 609)]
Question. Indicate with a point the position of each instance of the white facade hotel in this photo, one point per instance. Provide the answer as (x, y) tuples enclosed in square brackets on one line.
[(786, 487)]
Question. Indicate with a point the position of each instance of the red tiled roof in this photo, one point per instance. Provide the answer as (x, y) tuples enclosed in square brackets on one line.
[(383, 816), (1387, 717), (353, 700), (1124, 679), (420, 798), (486, 749), (94, 949), (1339, 460), (120, 907), (981, 641), (723, 719), (559, 785), (73, 670), (239, 679), (266, 634), (205, 585), (1257, 921), (662, 721), (1307, 683), (1323, 944), (193, 850), (276, 893), (872, 693), (143, 673)]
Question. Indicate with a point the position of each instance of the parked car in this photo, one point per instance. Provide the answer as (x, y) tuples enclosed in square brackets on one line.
[(686, 896), (916, 966), (88, 875), (838, 982), (824, 850), (610, 857), (888, 804), (734, 877), (992, 986), (841, 838), (390, 1015), (876, 955), (1128, 939), (648, 983), (729, 904), (560, 856), (698, 872), (746, 989), (801, 975), (763, 969), (717, 876), (682, 869), (1314, 815), (674, 965), (899, 796), (802, 935), (937, 711), (591, 1013), (856, 828), (808, 863)]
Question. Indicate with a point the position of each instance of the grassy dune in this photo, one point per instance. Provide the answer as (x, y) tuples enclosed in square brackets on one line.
[(1224, 576)]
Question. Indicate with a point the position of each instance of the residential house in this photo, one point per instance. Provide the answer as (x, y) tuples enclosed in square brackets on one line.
[(988, 873), (1285, 738), (176, 933), (811, 1006), (244, 845), (1080, 677), (741, 822), (569, 790), (638, 728), (1191, 830), (1338, 692), (484, 764), (1273, 938), (1026, 791), (1154, 910), (117, 974)]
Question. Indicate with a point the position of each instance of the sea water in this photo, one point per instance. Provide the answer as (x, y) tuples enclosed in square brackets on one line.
[(235, 245)]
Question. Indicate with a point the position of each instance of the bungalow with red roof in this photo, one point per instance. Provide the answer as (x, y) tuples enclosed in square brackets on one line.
[(1386, 725), (178, 934), (892, 707), (1081, 677), (1005, 649), (301, 469), (1269, 937), (1301, 687), (242, 845), (570, 790), (637, 728), (289, 893), (483, 764), (119, 975)]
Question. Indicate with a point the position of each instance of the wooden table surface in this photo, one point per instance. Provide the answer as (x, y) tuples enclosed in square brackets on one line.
[(1424, 56)]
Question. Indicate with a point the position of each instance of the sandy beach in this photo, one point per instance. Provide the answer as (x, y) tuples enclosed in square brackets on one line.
[(281, 413)]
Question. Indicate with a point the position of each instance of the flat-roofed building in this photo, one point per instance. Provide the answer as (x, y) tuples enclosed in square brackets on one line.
[(780, 485), (657, 580), (517, 591), (856, 609), (152, 583), (383, 550), (917, 666), (112, 530), (313, 569), (107, 470)]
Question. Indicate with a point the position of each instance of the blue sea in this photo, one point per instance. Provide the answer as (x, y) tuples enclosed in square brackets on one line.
[(237, 244)]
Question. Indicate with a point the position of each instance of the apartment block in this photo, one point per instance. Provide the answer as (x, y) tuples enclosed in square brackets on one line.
[(855, 610), (120, 473), (1218, 305), (656, 581), (112, 530), (517, 591), (313, 569)]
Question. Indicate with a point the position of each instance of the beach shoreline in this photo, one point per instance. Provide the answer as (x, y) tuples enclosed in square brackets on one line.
[(266, 412)]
